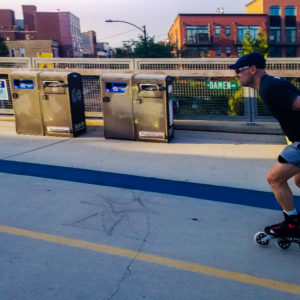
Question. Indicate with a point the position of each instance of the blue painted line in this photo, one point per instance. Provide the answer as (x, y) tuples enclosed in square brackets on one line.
[(163, 186)]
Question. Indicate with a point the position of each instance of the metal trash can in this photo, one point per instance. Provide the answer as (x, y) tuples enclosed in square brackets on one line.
[(117, 105), (62, 103), (25, 95), (153, 108)]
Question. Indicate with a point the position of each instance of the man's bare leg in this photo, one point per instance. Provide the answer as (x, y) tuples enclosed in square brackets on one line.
[(277, 178), (297, 180)]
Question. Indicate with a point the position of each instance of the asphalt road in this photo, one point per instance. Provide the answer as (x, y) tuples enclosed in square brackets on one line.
[(90, 218)]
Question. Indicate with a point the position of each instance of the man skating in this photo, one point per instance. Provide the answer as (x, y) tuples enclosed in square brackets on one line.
[(283, 101)]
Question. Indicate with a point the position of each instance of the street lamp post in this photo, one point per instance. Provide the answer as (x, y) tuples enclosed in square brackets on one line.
[(143, 29)]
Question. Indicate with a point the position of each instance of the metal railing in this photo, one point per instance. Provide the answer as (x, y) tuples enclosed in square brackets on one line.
[(191, 98), (83, 64), (138, 64), (20, 62)]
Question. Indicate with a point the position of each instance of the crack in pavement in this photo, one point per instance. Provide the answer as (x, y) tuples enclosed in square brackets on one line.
[(143, 238), (128, 270), (130, 215), (35, 149)]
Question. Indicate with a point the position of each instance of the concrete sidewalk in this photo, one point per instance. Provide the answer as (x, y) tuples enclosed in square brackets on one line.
[(185, 158), (90, 218), (233, 126)]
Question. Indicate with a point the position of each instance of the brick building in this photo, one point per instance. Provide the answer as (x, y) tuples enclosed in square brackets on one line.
[(283, 25), (221, 35), (31, 48), (215, 35), (7, 22), (60, 27), (89, 43)]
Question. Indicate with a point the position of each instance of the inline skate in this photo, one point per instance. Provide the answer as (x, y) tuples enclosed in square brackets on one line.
[(284, 233)]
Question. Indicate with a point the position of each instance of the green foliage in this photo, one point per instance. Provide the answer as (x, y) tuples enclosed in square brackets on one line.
[(247, 44), (3, 48), (142, 49), (125, 51), (260, 44), (236, 103)]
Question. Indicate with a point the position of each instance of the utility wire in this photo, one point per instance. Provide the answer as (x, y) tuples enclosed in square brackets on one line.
[(122, 33), (115, 35), (162, 34)]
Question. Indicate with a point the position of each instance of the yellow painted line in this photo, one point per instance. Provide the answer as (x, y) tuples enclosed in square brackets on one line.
[(191, 267), (96, 122), (89, 122), (7, 119)]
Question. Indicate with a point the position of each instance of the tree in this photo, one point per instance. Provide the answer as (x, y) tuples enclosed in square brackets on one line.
[(3, 48), (236, 103), (247, 44), (125, 51), (142, 49), (259, 44)]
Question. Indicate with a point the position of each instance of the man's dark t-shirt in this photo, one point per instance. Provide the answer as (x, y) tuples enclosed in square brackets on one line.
[(279, 95)]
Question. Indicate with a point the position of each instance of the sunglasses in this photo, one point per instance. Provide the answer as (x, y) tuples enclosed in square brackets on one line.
[(239, 70)]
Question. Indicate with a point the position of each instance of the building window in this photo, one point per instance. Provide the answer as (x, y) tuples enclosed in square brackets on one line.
[(242, 30), (228, 51), (290, 11), (218, 30), (240, 51), (254, 31), (12, 52), (203, 51), (275, 51), (22, 52), (275, 10), (291, 52), (218, 51), (241, 33), (197, 34), (275, 34), (227, 30), (290, 34)]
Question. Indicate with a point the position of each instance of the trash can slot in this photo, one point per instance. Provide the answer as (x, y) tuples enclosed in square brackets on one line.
[(148, 90), (54, 87)]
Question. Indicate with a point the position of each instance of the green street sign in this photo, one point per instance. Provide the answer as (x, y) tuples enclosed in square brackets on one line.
[(221, 85)]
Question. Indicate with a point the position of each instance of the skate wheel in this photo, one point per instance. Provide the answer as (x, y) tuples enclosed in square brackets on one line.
[(282, 243), (261, 238)]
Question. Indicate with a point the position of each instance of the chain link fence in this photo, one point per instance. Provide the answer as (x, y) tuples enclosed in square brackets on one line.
[(5, 102), (92, 94), (192, 98)]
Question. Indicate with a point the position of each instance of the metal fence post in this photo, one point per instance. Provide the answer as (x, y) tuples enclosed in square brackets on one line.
[(135, 64), (32, 65), (253, 104), (250, 102)]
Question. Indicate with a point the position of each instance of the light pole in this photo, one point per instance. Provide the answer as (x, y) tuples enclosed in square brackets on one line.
[(143, 29)]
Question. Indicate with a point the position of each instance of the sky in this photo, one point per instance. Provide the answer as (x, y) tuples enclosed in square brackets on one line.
[(157, 15)]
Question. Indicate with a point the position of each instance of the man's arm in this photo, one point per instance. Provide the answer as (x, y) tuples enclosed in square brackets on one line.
[(296, 103)]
